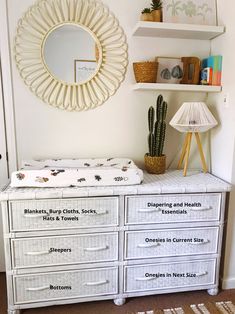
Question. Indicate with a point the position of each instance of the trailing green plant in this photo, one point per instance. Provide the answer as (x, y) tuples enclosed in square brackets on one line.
[(156, 5), (146, 10), (157, 128)]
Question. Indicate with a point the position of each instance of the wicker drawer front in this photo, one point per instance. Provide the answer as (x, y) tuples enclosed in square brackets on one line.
[(65, 285), (167, 276), (172, 208), (142, 244), (44, 251), (57, 214)]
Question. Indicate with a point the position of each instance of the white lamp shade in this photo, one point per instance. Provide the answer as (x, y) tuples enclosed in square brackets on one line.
[(193, 117)]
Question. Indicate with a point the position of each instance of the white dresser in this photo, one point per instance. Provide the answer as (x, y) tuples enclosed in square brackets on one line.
[(71, 245)]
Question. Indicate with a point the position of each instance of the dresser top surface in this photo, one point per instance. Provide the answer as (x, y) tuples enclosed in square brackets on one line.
[(168, 183)]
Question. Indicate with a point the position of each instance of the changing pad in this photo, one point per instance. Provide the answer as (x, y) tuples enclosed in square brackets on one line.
[(77, 172)]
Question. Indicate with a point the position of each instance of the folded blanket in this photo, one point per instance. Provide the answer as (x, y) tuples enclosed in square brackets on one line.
[(77, 172)]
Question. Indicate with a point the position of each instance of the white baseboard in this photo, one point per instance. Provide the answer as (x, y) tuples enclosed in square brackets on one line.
[(228, 283)]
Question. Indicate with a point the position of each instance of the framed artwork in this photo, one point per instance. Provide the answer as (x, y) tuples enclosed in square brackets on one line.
[(84, 70), (202, 12), (170, 70)]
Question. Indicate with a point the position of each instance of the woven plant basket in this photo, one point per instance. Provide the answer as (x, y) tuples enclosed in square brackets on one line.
[(147, 17), (157, 15), (145, 72), (155, 165)]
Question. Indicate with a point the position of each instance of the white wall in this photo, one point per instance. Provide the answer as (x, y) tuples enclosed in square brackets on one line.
[(3, 160), (223, 148), (119, 127), (3, 167)]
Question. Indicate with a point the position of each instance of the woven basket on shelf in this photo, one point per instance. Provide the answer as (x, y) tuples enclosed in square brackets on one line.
[(147, 17), (157, 15), (155, 165), (145, 72)]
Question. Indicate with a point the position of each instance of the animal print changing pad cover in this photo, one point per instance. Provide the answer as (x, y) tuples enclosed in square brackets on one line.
[(77, 172)]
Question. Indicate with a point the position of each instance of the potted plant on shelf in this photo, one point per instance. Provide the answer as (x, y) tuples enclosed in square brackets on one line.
[(146, 15), (156, 6), (155, 160)]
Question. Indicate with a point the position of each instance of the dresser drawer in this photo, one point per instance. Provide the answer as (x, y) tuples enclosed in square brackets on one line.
[(57, 214), (171, 242), (168, 276), (65, 285), (60, 250), (172, 208)]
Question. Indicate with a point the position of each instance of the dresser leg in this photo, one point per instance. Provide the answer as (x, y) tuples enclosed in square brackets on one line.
[(213, 291), (120, 301)]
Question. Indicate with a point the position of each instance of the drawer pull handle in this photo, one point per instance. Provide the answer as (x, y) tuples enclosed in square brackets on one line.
[(156, 210), (152, 210), (102, 212), (200, 243), (38, 289), (97, 283), (146, 246), (35, 215), (96, 249), (200, 209), (204, 273), (145, 278), (37, 253)]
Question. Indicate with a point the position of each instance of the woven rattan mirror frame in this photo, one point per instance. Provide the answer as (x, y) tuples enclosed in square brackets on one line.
[(95, 17)]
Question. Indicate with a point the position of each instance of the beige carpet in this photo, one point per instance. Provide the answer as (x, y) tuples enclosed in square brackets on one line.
[(207, 308), (133, 305)]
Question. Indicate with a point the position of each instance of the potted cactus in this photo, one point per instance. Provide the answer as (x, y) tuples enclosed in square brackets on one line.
[(155, 160), (156, 6), (146, 15)]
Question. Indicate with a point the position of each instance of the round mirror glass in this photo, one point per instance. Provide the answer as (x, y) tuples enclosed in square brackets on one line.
[(71, 54)]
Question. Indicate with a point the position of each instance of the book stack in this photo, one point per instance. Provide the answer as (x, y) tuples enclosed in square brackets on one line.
[(211, 71)]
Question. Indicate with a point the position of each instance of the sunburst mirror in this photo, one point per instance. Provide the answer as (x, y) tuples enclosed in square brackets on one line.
[(71, 53)]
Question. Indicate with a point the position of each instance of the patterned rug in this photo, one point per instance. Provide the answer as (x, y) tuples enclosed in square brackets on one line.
[(208, 308)]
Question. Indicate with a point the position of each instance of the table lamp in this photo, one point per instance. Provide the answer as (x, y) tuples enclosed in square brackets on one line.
[(192, 118)]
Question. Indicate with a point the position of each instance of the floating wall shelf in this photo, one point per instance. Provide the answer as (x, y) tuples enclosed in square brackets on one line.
[(177, 87), (173, 30)]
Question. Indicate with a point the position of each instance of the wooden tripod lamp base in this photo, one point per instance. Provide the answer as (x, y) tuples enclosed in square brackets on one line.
[(186, 151)]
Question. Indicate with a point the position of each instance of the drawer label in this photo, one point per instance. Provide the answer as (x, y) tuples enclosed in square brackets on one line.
[(174, 208), (61, 214), (35, 211), (173, 275), (55, 250), (174, 212), (174, 240), (60, 218), (52, 287)]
